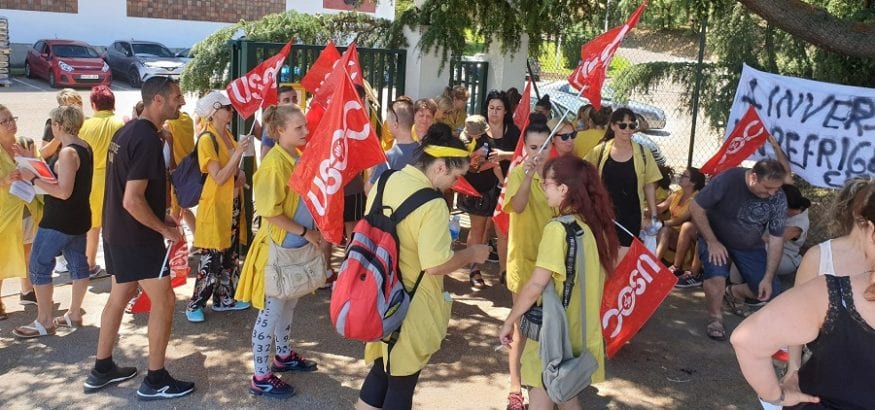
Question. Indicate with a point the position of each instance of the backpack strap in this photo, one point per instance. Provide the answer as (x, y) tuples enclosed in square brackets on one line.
[(419, 198), (572, 232), (194, 153), (377, 205)]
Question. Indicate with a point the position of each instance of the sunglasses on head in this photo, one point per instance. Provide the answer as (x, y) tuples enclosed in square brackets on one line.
[(630, 125), (567, 136)]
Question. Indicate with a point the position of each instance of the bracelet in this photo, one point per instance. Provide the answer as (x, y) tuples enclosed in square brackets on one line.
[(33, 179), (775, 402), (305, 231)]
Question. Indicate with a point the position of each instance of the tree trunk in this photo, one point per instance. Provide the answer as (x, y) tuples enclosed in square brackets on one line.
[(816, 26)]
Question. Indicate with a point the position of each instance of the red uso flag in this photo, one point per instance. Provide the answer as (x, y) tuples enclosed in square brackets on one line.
[(638, 286), (320, 69), (748, 135), (328, 163), (349, 63), (521, 120), (595, 57), (258, 87)]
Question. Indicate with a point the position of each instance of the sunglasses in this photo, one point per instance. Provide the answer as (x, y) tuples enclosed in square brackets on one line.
[(630, 125), (568, 136)]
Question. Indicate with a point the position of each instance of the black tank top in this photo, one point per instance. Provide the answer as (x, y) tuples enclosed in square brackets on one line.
[(622, 184), (841, 370), (72, 216)]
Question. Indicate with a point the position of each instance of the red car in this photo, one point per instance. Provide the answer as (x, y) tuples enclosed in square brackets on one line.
[(66, 63)]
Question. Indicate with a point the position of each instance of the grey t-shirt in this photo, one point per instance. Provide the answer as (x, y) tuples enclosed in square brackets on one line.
[(399, 156), (737, 216)]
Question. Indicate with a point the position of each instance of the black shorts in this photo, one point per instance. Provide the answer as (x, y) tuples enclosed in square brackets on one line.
[(482, 206), (353, 207), (134, 263)]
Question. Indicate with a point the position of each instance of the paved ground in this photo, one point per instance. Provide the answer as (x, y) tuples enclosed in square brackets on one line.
[(670, 364)]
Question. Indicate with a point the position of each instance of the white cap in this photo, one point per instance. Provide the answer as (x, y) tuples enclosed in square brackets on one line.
[(210, 103)]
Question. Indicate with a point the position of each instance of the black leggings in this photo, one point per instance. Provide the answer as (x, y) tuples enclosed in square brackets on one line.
[(387, 392)]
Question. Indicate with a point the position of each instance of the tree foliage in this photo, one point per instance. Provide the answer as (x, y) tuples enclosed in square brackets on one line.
[(212, 56)]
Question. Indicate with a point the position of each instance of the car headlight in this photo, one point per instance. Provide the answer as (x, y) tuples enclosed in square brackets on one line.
[(64, 66), (105, 67)]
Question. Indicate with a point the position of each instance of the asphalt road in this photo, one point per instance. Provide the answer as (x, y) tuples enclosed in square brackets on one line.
[(669, 364)]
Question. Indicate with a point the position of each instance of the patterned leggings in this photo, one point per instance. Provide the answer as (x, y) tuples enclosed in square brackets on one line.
[(274, 324), (218, 270)]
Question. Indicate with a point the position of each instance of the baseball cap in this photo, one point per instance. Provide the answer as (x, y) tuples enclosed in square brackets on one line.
[(211, 103)]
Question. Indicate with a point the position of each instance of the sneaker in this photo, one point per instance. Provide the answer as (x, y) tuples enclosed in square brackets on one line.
[(28, 298), (170, 390), (195, 315), (294, 363), (97, 272), (61, 266), (234, 305), (687, 280), (754, 303), (272, 386), (515, 401), (97, 380)]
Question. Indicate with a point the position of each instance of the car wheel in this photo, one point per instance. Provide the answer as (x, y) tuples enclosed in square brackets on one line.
[(134, 78), (28, 72), (52, 82)]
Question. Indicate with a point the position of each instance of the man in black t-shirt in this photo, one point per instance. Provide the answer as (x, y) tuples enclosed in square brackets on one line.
[(134, 229)]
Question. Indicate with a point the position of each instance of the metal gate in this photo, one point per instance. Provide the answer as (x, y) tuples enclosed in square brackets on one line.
[(472, 75)]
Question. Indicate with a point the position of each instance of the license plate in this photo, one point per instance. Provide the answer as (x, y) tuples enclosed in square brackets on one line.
[(89, 76)]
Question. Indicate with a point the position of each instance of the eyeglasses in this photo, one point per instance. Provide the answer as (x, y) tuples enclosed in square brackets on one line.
[(630, 125), (568, 136), (9, 121)]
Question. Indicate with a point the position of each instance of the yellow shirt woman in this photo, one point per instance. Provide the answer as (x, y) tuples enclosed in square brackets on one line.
[(273, 197), (525, 230), (216, 205), (676, 208), (551, 256), (11, 227), (97, 131), (646, 169), (424, 243)]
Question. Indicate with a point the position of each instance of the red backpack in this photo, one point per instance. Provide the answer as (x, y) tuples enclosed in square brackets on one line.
[(369, 301)]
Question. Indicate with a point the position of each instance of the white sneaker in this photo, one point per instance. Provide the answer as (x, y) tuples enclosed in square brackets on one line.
[(61, 265)]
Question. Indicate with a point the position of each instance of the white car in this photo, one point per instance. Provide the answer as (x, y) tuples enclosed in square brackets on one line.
[(140, 60)]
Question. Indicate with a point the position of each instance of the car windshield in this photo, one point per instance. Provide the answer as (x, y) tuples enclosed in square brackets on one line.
[(156, 50), (74, 51)]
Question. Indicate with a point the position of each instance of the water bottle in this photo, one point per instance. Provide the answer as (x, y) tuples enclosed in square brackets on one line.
[(655, 226), (455, 227)]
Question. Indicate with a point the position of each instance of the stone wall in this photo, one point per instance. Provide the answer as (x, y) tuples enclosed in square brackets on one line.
[(229, 11)]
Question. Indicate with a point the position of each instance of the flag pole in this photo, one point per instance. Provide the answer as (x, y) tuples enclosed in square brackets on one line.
[(556, 129)]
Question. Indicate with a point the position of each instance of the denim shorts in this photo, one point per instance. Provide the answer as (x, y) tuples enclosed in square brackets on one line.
[(751, 264), (49, 243)]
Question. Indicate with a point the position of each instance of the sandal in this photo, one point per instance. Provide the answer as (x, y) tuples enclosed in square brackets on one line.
[(35, 329), (515, 401), (715, 330), (477, 281), (731, 304), (65, 321)]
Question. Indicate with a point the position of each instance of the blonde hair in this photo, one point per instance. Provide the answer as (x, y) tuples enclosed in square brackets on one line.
[(552, 123), (444, 104), (69, 117), (277, 116), (457, 91), (69, 96), (847, 204)]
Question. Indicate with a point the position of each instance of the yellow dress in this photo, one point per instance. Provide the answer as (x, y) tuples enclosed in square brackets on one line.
[(551, 256), (11, 227), (98, 131), (425, 242), (524, 234), (216, 205), (273, 197), (676, 208)]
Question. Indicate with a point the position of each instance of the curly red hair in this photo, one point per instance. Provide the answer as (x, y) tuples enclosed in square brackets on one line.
[(588, 199), (102, 98)]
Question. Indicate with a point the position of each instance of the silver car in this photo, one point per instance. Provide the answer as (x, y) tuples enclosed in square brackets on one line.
[(562, 93), (140, 60)]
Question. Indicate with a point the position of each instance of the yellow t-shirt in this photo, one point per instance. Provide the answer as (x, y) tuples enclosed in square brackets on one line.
[(551, 256), (11, 227), (216, 205), (273, 197), (424, 238), (456, 120), (678, 209), (586, 140), (98, 131), (524, 234), (646, 170), (182, 130)]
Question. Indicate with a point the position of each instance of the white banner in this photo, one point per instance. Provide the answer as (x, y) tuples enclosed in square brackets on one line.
[(826, 130)]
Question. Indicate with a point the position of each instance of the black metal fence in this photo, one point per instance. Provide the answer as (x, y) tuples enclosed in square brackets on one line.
[(472, 75)]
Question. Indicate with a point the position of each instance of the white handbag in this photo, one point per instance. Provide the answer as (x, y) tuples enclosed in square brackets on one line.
[(292, 273)]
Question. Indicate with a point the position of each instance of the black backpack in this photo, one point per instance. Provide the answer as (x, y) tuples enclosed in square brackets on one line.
[(188, 179)]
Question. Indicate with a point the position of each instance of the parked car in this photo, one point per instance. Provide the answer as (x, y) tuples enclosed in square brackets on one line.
[(564, 95), (66, 63), (185, 55), (140, 60)]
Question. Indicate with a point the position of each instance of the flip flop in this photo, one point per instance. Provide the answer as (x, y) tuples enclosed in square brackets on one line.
[(477, 282), (33, 330), (715, 330), (65, 321)]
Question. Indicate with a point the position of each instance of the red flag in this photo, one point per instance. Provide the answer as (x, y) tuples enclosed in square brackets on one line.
[(328, 162), (632, 294), (748, 135), (320, 69), (595, 57), (179, 270), (348, 62), (521, 119), (462, 186), (258, 88)]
